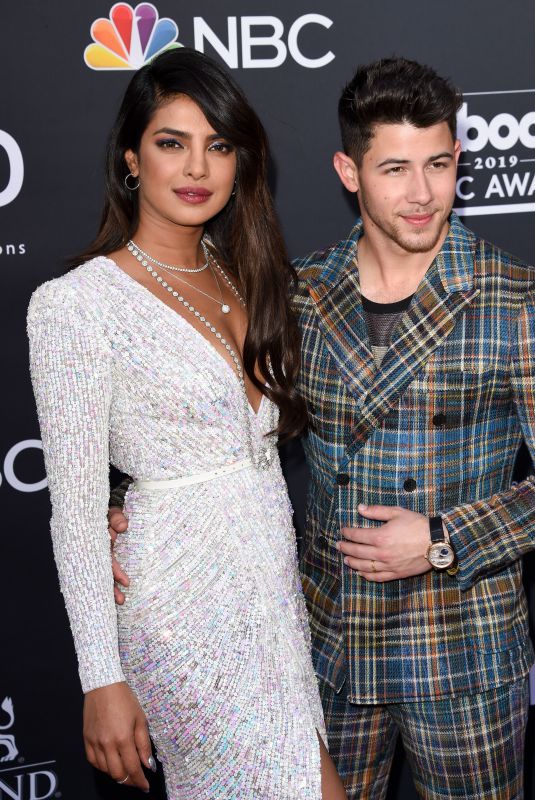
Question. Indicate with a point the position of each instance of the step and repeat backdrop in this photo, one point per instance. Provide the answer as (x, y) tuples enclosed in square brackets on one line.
[(64, 67)]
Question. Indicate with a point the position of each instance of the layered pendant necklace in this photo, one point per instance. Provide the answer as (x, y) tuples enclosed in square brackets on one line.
[(144, 259), (264, 457)]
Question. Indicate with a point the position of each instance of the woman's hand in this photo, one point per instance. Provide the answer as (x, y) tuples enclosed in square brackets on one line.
[(116, 735)]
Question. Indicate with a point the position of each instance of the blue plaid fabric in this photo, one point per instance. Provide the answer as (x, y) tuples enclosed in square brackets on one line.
[(469, 747), (435, 429)]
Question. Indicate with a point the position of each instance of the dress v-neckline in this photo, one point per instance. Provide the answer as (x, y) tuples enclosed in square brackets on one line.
[(210, 347)]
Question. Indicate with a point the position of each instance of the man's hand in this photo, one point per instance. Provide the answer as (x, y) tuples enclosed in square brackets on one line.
[(395, 550), (118, 523)]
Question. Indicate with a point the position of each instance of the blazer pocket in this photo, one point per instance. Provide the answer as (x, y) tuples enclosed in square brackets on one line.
[(496, 611), (455, 398)]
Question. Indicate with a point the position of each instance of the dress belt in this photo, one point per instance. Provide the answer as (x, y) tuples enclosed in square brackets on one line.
[(198, 477)]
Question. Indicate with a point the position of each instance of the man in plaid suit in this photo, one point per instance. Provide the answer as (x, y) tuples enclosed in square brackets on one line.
[(418, 368)]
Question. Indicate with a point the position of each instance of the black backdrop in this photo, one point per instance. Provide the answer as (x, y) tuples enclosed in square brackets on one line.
[(54, 115)]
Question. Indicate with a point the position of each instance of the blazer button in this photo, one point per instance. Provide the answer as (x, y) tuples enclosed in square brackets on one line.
[(323, 544), (409, 485), (342, 479), (439, 420)]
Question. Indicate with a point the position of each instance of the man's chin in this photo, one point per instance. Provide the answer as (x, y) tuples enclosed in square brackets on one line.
[(420, 241), (419, 244)]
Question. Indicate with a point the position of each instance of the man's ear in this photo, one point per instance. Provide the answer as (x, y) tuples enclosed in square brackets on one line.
[(132, 162), (347, 171), (457, 150)]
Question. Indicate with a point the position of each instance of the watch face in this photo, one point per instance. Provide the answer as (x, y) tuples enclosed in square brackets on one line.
[(441, 555)]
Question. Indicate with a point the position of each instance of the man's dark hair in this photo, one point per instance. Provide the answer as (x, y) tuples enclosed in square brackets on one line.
[(394, 90)]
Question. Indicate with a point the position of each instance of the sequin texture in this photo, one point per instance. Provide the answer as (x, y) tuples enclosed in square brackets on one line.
[(213, 637)]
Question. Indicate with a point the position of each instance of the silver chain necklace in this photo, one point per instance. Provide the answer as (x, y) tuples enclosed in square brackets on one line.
[(225, 308), (262, 459), (140, 254)]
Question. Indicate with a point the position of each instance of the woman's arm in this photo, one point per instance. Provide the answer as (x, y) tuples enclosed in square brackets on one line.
[(70, 361), (71, 369)]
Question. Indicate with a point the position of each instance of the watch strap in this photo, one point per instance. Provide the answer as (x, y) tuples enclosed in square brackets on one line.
[(436, 530)]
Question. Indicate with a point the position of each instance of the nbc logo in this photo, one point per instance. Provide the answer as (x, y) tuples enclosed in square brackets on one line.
[(129, 38), (133, 36)]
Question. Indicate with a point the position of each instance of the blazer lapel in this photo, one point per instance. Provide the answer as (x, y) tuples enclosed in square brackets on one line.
[(446, 289), (336, 294)]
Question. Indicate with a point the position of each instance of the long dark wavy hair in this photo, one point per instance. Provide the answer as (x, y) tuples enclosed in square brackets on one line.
[(245, 234)]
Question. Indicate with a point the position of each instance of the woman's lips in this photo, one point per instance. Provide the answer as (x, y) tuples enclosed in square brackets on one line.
[(193, 194)]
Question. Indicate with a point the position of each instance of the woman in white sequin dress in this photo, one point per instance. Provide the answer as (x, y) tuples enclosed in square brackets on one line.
[(143, 356)]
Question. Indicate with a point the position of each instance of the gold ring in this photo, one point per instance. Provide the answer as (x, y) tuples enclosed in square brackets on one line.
[(124, 779), (373, 566)]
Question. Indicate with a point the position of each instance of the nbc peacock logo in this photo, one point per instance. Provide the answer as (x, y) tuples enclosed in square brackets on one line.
[(130, 37)]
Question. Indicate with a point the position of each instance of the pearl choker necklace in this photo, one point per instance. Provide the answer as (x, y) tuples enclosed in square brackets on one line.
[(133, 246)]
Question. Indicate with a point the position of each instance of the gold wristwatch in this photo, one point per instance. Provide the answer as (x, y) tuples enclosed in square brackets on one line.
[(440, 553)]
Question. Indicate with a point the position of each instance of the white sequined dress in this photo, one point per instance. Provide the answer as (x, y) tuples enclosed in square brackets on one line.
[(213, 637)]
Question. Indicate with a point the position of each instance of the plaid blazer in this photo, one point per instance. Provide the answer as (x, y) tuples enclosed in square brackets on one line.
[(435, 429)]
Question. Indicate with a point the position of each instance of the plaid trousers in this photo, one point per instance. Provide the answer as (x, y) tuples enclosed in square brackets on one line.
[(466, 747)]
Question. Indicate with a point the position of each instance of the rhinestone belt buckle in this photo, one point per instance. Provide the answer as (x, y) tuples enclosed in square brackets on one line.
[(265, 458)]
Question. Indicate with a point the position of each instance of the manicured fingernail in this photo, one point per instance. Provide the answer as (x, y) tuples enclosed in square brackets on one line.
[(362, 506), (346, 560), (337, 545), (152, 764)]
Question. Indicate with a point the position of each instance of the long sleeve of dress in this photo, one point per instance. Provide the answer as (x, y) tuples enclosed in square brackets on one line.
[(70, 359)]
